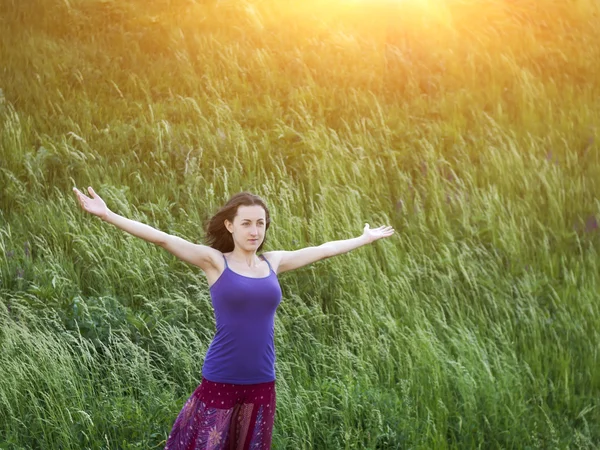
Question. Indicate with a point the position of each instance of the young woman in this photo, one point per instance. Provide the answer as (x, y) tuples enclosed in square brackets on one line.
[(234, 405)]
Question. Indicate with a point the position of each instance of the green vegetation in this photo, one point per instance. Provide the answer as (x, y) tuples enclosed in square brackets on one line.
[(469, 126)]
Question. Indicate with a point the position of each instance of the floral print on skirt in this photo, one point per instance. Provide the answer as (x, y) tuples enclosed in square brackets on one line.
[(225, 416)]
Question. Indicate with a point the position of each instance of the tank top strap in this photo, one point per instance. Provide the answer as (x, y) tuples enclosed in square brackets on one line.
[(268, 263), (226, 265)]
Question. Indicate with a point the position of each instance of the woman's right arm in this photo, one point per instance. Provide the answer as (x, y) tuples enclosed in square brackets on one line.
[(138, 229), (202, 256)]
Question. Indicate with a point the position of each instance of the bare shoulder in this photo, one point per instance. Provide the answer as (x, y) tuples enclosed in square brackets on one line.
[(274, 258), (215, 267), (284, 261), (214, 257), (203, 256)]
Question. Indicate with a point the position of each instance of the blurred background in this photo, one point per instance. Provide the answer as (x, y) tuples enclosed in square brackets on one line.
[(470, 126)]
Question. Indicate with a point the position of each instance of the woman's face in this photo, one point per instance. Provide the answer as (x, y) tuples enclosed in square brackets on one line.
[(248, 227)]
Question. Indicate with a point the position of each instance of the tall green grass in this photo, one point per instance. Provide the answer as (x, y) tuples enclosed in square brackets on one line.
[(470, 126)]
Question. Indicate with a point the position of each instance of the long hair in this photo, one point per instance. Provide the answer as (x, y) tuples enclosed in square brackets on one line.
[(217, 236)]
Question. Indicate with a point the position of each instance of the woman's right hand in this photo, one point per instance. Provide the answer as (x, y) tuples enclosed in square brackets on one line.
[(94, 205)]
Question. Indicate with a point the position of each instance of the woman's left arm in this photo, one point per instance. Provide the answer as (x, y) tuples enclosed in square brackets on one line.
[(284, 261)]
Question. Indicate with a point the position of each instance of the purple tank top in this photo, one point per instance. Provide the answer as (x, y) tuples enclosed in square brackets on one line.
[(243, 349)]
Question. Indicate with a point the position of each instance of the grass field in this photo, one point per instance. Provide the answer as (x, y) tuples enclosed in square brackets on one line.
[(471, 126)]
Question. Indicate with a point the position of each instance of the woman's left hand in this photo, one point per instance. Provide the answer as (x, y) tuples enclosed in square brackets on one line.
[(377, 233)]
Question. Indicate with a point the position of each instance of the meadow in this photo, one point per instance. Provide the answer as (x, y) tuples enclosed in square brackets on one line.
[(470, 126)]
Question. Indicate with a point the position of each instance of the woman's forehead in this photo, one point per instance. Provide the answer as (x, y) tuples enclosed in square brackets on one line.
[(254, 212)]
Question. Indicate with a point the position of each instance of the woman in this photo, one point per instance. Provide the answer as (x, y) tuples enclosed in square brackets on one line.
[(234, 405)]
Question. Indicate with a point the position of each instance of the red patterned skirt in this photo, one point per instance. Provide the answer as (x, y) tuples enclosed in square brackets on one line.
[(225, 416)]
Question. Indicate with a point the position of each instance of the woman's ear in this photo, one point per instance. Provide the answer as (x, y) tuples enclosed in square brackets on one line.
[(228, 225)]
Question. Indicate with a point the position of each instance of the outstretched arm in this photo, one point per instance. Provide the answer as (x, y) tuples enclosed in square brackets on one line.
[(289, 260), (95, 205), (197, 254)]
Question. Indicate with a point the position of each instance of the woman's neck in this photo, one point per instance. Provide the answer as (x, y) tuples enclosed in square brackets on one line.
[(241, 257)]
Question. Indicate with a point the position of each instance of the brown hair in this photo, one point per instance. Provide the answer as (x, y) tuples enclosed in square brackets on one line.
[(217, 236)]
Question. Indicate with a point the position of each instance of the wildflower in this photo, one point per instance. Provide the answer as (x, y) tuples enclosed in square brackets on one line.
[(27, 252), (10, 254), (20, 273), (550, 157), (591, 224)]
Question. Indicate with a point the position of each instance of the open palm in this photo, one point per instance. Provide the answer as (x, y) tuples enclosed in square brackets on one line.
[(94, 205), (377, 233)]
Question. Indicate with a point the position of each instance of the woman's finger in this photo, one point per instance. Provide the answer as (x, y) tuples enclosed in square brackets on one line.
[(83, 196)]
